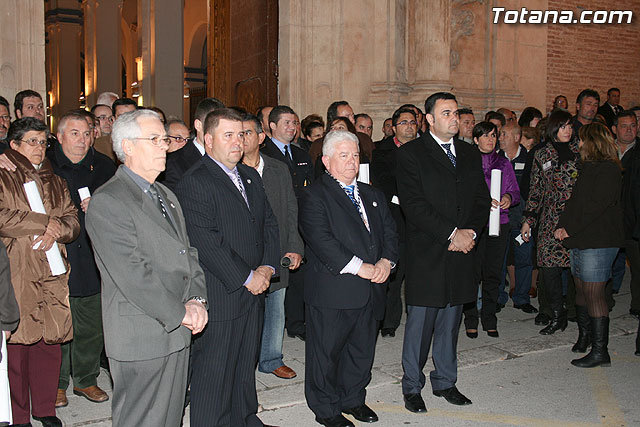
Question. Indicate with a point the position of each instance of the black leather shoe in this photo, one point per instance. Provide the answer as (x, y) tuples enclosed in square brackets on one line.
[(301, 335), (388, 332), (470, 334), (414, 403), (362, 413), (453, 396), (527, 308), (493, 333), (634, 312), (542, 319), (49, 421), (337, 421)]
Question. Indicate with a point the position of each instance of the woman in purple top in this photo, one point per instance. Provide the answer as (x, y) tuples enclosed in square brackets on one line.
[(491, 250)]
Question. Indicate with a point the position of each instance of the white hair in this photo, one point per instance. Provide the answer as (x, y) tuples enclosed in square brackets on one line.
[(127, 127), (107, 98), (334, 137)]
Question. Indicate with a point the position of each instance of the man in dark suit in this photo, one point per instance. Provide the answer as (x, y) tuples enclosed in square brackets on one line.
[(153, 290), (283, 122), (383, 176), (610, 109), (181, 160), (277, 185), (230, 222), (446, 203), (352, 246)]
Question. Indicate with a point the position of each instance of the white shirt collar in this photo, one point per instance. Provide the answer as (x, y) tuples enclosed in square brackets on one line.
[(440, 142), (198, 146)]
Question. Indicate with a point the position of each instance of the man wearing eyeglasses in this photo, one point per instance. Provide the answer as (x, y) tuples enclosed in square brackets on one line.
[(5, 119), (81, 167), (103, 144), (383, 176), (178, 131), (153, 290)]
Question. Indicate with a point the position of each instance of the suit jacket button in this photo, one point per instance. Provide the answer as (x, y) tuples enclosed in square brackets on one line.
[(183, 251), (185, 278), (257, 244)]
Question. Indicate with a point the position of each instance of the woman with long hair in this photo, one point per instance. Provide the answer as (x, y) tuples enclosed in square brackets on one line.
[(591, 226), (553, 174), (491, 249)]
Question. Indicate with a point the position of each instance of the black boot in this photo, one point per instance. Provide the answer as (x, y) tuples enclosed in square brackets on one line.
[(558, 322), (584, 330), (599, 354)]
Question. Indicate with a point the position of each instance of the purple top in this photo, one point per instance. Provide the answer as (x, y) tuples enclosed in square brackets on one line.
[(509, 185)]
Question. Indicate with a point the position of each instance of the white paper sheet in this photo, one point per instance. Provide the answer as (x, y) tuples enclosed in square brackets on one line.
[(56, 264), (84, 193), (363, 175), (494, 215), (5, 393)]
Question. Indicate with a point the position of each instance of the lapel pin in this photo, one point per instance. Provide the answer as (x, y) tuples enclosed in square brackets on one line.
[(248, 181), (172, 205), (375, 204)]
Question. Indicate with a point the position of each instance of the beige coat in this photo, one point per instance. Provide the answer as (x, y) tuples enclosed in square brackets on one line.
[(43, 298)]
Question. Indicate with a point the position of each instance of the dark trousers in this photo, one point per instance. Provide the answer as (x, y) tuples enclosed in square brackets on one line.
[(339, 353), (552, 277), (489, 258), (294, 302), (149, 393), (223, 380), (83, 353), (393, 306), (33, 370), (633, 255), (424, 325)]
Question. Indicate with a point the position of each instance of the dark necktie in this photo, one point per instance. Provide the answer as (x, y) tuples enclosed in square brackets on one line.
[(161, 205), (450, 155), (238, 182), (287, 157)]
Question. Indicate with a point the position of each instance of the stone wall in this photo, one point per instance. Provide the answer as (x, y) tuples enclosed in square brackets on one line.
[(594, 56)]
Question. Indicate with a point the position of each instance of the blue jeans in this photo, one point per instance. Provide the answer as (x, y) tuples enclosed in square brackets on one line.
[(272, 332), (523, 266)]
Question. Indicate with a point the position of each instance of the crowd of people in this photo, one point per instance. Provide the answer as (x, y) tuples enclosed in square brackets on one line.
[(184, 253)]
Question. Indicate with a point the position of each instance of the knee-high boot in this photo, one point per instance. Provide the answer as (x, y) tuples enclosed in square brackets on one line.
[(599, 354), (584, 330)]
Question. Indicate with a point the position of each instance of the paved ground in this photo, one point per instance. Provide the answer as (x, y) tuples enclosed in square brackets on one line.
[(521, 378)]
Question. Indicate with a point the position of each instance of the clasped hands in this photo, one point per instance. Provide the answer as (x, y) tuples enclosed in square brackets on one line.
[(377, 273), (195, 316), (462, 241), (50, 236), (260, 280)]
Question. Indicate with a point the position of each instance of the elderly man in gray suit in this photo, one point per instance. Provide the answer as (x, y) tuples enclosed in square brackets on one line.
[(153, 289), (279, 188)]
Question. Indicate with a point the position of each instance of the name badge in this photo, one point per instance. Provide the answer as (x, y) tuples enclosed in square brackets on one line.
[(518, 166), (546, 165)]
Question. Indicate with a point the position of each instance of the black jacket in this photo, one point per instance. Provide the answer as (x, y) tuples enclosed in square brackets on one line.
[(178, 163), (301, 169), (592, 216), (93, 171)]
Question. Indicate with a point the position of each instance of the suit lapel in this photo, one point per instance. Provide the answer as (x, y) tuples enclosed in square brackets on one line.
[(438, 153), (217, 172), (371, 207), (338, 194)]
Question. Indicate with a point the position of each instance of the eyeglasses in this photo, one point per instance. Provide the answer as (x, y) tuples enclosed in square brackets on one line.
[(407, 122), (178, 138), (5, 118), (108, 118), (158, 141), (34, 142)]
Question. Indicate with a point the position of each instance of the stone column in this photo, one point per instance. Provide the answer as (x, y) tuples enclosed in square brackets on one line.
[(22, 53), (429, 42), (64, 31), (160, 38), (102, 48)]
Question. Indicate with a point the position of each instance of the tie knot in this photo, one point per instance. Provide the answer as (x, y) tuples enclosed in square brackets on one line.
[(447, 146), (350, 188), (153, 190)]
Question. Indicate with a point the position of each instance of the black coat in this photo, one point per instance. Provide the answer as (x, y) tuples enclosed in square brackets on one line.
[(334, 232), (631, 192), (178, 163), (383, 177), (302, 168), (231, 239), (592, 216), (436, 198), (93, 171)]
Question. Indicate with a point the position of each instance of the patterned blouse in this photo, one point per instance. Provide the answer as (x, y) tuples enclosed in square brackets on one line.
[(550, 187)]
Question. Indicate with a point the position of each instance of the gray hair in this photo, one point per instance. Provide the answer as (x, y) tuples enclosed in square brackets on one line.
[(107, 98), (334, 137), (127, 127)]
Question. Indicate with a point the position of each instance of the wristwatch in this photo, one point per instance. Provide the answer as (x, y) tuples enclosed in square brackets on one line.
[(201, 301)]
